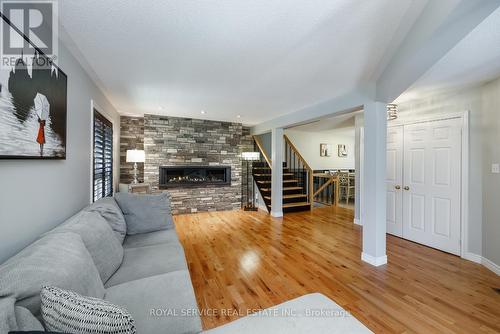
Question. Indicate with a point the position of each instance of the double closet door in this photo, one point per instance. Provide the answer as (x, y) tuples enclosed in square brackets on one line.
[(424, 183)]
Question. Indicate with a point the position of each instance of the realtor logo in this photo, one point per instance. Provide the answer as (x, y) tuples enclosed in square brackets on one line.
[(28, 27)]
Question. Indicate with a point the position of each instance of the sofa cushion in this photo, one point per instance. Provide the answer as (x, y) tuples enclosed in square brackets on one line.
[(69, 312), (148, 261), (16, 318), (26, 320), (151, 238), (313, 313), (145, 213), (98, 237), (159, 304), (59, 259), (111, 212)]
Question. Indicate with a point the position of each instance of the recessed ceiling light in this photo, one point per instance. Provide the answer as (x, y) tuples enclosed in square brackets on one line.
[(160, 108), (203, 112), (239, 116)]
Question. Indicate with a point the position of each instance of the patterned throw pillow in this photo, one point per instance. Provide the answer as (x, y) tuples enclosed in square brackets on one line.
[(67, 311)]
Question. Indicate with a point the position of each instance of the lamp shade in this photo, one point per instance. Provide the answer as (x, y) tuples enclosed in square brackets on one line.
[(250, 156), (135, 156)]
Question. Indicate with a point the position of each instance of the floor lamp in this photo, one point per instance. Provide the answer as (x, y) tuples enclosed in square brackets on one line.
[(135, 156), (248, 157)]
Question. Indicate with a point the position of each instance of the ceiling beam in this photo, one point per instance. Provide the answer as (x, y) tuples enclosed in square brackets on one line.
[(430, 38), (336, 106)]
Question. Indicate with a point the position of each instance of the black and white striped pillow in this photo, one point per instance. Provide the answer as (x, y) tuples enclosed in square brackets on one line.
[(67, 311)]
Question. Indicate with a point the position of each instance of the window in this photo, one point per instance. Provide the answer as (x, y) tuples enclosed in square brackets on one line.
[(103, 157)]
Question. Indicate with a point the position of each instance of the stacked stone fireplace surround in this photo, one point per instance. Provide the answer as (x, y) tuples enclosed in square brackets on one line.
[(174, 141)]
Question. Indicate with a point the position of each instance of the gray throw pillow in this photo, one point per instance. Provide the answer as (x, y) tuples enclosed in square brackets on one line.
[(69, 312), (111, 212), (59, 259), (145, 213), (98, 237)]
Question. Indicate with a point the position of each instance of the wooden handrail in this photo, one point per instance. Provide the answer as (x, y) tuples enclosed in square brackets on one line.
[(331, 179), (306, 165), (327, 183), (294, 149), (262, 150)]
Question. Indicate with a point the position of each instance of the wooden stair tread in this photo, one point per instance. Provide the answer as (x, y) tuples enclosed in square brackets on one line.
[(293, 205), (284, 181), (266, 168), (284, 188), (288, 196)]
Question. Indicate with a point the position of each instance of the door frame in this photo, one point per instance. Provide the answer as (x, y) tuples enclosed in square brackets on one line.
[(464, 187)]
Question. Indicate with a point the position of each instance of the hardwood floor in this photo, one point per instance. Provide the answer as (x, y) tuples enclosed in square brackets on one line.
[(241, 261)]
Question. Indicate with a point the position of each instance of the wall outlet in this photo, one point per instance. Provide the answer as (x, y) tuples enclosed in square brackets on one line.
[(495, 168)]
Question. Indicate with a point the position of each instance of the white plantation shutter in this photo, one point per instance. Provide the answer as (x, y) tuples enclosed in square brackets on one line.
[(103, 157)]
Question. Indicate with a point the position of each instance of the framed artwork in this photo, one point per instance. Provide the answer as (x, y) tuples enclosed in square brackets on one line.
[(33, 106), (342, 151), (325, 150)]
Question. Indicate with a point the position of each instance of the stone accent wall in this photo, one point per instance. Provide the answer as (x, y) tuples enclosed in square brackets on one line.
[(173, 141), (131, 137)]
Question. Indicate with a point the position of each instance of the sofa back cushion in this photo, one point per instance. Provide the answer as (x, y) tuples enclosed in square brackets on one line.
[(104, 248), (110, 211), (58, 259), (145, 213)]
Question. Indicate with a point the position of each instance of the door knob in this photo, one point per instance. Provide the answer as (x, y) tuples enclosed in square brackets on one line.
[(397, 187), (406, 188)]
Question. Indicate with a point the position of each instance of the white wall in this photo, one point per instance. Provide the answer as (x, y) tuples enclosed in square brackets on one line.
[(36, 195), (483, 102), (265, 139), (308, 144)]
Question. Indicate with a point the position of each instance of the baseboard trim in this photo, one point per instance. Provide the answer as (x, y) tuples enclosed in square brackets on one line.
[(357, 221), (491, 265), (374, 261), (483, 261), (473, 257), (277, 214)]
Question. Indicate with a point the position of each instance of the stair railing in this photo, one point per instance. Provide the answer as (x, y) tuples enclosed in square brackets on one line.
[(326, 188), (299, 166)]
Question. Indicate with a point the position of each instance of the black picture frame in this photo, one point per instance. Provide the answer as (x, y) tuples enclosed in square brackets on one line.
[(64, 104)]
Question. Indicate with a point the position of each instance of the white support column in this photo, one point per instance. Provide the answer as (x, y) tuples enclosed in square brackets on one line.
[(374, 194), (277, 172), (358, 124)]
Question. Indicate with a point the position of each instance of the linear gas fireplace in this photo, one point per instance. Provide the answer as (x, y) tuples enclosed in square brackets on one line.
[(193, 176)]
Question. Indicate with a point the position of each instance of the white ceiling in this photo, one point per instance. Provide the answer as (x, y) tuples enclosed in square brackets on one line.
[(474, 60), (259, 59)]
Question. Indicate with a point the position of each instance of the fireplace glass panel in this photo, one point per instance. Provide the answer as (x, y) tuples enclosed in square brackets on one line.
[(185, 176)]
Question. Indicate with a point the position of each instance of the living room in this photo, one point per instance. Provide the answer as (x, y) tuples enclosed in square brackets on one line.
[(241, 167)]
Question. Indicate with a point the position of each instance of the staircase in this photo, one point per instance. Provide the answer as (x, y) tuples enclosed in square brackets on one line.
[(295, 181)]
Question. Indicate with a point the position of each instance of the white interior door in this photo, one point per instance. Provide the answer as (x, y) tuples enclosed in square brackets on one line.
[(432, 184), (394, 180)]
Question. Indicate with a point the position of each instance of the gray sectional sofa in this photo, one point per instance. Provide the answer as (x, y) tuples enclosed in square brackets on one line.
[(92, 254), (100, 252)]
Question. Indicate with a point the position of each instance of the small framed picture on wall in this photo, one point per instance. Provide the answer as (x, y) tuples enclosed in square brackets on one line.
[(342, 151), (325, 150)]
